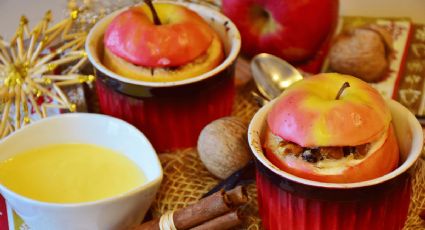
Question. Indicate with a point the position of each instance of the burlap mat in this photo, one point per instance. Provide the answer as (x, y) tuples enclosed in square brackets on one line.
[(186, 179)]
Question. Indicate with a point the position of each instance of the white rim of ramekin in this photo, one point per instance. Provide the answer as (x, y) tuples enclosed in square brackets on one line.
[(254, 140), (230, 59)]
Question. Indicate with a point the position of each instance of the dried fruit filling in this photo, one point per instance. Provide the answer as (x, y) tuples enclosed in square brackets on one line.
[(315, 154)]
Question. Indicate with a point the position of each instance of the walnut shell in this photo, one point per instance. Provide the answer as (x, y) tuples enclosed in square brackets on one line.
[(362, 52), (222, 146)]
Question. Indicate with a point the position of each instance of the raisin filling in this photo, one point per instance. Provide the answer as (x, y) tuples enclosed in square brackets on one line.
[(315, 154)]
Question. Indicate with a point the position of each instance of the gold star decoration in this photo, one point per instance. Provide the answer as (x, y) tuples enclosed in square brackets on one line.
[(91, 11), (34, 67)]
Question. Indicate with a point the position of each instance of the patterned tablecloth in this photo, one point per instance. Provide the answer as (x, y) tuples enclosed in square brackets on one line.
[(186, 179)]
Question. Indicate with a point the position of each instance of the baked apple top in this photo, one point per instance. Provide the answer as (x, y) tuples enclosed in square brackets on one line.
[(310, 113), (181, 37)]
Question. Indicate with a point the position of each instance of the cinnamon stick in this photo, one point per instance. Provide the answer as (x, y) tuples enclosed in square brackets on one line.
[(205, 209), (149, 225), (228, 221), (238, 196)]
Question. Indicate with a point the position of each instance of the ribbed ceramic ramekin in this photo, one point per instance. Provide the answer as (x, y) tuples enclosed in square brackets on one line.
[(293, 203), (171, 114)]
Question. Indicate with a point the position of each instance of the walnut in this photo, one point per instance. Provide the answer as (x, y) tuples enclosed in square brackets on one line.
[(363, 52), (223, 147)]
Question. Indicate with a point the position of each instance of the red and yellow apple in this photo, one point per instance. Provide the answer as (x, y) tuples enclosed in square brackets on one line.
[(291, 29), (311, 115), (136, 47)]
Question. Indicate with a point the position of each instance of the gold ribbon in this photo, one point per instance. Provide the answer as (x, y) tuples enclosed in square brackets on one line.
[(166, 222)]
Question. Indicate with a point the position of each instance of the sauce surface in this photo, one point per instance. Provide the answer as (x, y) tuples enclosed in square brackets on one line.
[(70, 173)]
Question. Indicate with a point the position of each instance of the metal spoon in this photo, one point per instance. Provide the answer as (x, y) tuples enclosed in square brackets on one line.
[(273, 75)]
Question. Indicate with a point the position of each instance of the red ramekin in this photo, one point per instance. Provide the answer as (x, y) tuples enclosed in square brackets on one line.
[(293, 203), (170, 114)]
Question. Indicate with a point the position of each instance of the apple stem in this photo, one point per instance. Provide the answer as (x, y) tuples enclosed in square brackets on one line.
[(341, 90), (154, 13)]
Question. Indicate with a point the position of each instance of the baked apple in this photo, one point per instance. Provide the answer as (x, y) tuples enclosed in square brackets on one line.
[(182, 46), (331, 128), (293, 30)]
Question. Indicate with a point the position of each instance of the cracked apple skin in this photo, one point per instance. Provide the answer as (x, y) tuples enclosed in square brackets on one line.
[(308, 114), (291, 29)]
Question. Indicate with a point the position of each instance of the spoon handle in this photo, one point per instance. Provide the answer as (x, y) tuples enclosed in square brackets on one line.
[(260, 100), (243, 176)]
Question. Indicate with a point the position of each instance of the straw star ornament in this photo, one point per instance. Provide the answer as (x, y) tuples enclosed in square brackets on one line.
[(34, 67)]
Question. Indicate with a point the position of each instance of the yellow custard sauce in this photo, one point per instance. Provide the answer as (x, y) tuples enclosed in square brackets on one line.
[(70, 173)]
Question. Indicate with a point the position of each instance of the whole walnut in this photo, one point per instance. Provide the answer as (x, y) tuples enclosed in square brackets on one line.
[(363, 52), (223, 147)]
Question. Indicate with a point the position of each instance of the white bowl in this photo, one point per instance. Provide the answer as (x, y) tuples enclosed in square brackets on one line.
[(118, 212)]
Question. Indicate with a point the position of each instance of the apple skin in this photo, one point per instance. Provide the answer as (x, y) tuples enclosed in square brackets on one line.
[(208, 61), (308, 114), (182, 36), (377, 164), (291, 29)]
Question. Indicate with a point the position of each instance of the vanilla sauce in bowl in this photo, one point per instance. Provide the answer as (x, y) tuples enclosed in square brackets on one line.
[(70, 173)]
